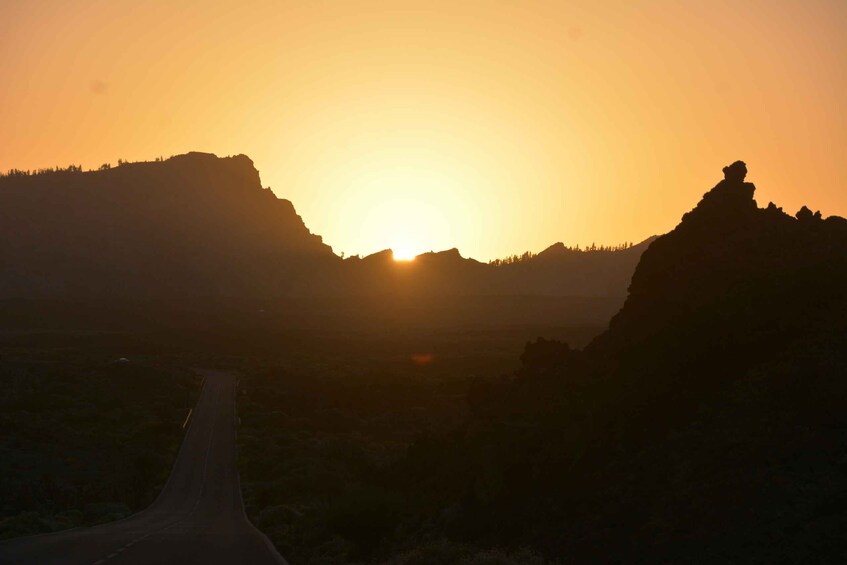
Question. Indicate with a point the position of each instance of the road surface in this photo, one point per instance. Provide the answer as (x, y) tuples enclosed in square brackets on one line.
[(197, 518)]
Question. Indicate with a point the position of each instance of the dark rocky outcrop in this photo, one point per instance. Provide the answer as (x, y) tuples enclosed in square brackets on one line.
[(731, 274), (706, 425)]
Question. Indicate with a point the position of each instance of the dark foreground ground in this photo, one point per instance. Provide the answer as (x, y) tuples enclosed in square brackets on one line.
[(92, 440), (198, 518)]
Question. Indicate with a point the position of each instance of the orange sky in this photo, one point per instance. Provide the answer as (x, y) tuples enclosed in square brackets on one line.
[(493, 126)]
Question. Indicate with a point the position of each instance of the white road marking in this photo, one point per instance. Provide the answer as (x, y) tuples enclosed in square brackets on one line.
[(190, 410)]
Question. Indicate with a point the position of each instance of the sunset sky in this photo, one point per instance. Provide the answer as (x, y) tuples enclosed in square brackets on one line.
[(495, 127)]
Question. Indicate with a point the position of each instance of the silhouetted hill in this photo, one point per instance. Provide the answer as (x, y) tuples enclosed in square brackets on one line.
[(705, 426), (733, 278), (556, 271), (202, 233), (563, 270), (193, 225)]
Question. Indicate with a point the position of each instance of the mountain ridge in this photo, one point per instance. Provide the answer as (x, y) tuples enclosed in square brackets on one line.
[(204, 225)]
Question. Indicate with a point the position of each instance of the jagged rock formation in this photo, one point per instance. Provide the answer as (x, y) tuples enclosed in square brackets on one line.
[(732, 273), (706, 425)]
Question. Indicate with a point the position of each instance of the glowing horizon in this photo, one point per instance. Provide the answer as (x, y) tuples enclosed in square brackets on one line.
[(494, 128), (404, 255)]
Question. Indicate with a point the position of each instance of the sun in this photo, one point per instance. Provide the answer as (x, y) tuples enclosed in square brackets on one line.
[(403, 254), (407, 225)]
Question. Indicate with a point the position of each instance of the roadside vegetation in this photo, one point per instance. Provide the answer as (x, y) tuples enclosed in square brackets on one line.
[(85, 438), (325, 433)]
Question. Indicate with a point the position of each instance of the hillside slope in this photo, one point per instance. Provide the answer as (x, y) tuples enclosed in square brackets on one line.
[(705, 426), (193, 225)]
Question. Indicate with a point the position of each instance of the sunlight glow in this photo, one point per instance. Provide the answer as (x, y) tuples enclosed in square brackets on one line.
[(521, 123), (401, 254), (409, 225)]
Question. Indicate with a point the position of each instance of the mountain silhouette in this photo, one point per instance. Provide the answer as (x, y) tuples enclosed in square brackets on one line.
[(732, 277), (704, 426), (200, 229), (194, 224), (555, 271)]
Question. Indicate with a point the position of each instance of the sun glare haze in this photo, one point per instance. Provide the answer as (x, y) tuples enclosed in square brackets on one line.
[(401, 254)]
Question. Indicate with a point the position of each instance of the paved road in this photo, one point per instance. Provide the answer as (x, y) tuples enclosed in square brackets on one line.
[(198, 517)]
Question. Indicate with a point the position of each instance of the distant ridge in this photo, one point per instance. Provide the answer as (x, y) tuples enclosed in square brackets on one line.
[(201, 229)]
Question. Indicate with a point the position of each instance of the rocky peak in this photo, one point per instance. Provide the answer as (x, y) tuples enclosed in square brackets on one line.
[(736, 172), (728, 256), (727, 203)]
